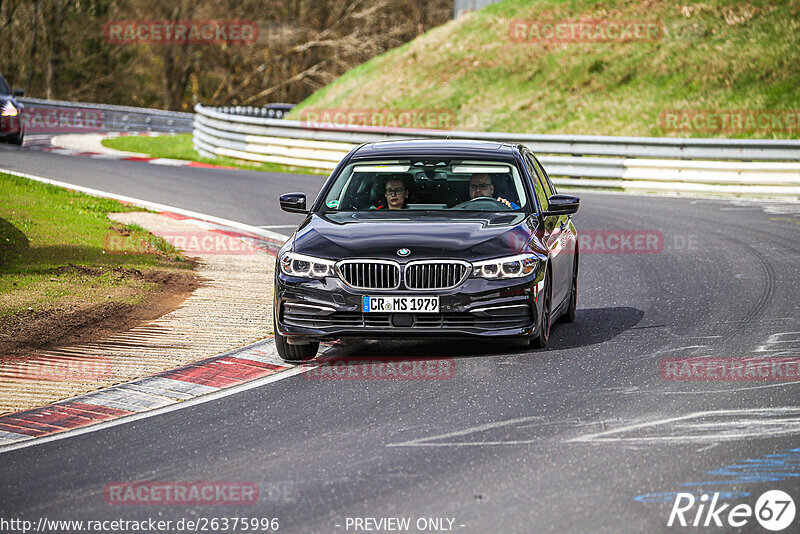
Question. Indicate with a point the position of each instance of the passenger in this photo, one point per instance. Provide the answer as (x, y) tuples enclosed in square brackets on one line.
[(396, 193), (481, 185)]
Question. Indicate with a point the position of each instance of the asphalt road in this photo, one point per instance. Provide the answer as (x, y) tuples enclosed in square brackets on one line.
[(584, 436), (249, 197)]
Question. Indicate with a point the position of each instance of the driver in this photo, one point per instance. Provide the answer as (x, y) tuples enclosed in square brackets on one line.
[(480, 185)]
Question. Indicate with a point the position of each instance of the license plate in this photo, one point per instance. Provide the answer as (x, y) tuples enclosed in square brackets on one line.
[(400, 304)]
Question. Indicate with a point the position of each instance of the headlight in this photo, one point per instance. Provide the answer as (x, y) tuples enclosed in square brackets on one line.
[(294, 264), (9, 110), (508, 267)]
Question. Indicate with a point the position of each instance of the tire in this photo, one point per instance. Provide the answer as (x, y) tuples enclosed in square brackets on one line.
[(572, 310), (16, 140), (295, 353), (540, 341)]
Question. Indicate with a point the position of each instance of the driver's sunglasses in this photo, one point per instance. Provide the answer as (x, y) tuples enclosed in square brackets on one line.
[(479, 186), (395, 191)]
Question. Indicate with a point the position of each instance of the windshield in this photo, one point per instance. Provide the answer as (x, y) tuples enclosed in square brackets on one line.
[(427, 184), (4, 90)]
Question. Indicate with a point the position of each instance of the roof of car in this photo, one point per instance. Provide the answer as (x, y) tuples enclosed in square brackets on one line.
[(435, 147)]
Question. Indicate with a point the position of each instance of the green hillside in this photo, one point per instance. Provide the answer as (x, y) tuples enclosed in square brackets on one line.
[(716, 57)]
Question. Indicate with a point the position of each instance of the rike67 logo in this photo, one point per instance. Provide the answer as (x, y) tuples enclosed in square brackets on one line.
[(774, 511)]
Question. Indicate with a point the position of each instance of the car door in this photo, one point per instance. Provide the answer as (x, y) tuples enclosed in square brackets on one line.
[(558, 229), (568, 232)]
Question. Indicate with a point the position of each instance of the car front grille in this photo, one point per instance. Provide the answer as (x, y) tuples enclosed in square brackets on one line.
[(417, 275), (435, 274), (370, 274)]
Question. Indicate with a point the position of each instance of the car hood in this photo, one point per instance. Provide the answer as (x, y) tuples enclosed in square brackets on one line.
[(464, 235)]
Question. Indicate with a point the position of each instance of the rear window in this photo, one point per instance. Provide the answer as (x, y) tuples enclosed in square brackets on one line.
[(427, 184)]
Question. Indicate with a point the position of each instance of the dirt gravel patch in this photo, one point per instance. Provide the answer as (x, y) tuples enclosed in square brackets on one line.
[(80, 323)]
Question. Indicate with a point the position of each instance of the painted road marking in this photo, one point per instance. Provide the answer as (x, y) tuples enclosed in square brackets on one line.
[(427, 442), (708, 426), (767, 468), (526, 426)]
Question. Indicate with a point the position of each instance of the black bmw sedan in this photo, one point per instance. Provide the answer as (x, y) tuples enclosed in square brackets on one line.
[(11, 127), (428, 238)]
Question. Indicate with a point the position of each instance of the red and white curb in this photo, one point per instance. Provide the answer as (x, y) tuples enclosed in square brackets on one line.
[(45, 143), (204, 380)]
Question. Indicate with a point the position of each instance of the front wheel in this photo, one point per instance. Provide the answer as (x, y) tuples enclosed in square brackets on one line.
[(540, 341), (295, 353)]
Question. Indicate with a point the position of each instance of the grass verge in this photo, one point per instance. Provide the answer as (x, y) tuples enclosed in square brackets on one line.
[(179, 146), (63, 261)]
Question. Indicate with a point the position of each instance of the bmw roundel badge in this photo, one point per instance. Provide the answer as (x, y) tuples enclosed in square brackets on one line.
[(403, 252)]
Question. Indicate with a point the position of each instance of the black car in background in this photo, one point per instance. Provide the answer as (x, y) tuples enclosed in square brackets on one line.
[(479, 244), (11, 127)]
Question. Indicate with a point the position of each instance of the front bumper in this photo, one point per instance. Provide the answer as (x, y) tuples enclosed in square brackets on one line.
[(318, 310)]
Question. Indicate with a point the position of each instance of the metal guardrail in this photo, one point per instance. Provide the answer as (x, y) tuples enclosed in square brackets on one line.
[(576, 145), (630, 163), (56, 116)]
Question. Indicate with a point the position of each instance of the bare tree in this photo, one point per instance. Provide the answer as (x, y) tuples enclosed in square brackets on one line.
[(56, 48)]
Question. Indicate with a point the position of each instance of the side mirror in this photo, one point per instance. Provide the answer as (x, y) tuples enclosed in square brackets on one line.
[(562, 205), (294, 202), (18, 92)]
